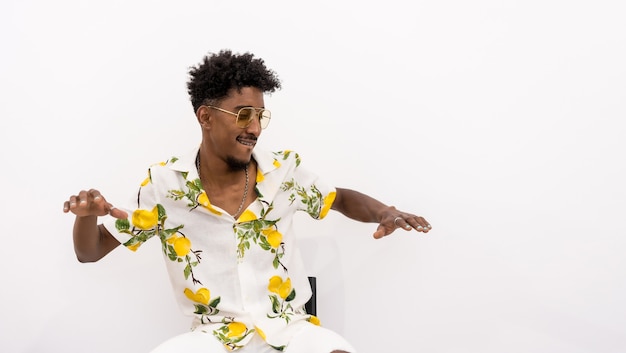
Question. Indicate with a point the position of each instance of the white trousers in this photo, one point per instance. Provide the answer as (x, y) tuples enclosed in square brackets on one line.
[(309, 339)]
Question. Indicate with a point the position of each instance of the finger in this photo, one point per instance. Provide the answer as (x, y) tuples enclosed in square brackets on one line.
[(97, 198), (117, 213), (402, 223), (76, 204), (86, 205), (99, 204), (418, 224), (425, 225), (72, 202), (380, 232), (82, 198), (80, 201), (89, 202)]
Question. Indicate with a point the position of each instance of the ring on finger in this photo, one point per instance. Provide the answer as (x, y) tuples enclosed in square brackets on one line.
[(395, 220)]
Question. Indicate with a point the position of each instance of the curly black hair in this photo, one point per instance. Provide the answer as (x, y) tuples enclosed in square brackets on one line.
[(217, 74)]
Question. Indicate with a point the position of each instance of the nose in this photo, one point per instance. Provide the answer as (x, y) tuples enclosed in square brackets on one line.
[(255, 125)]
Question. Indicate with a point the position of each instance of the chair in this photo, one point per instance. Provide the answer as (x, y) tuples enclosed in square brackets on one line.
[(311, 305)]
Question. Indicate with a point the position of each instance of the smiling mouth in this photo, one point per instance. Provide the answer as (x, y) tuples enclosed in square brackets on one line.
[(247, 141)]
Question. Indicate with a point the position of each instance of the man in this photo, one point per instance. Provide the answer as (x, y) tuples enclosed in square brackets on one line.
[(224, 213)]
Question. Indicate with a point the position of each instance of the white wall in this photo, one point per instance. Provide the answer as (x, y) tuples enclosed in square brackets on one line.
[(501, 122)]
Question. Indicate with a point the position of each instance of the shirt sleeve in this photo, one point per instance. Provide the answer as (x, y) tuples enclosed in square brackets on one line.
[(144, 216), (314, 194)]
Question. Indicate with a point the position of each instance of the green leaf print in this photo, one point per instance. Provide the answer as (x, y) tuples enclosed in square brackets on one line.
[(122, 225), (291, 296), (275, 304), (194, 189), (286, 154), (311, 198), (229, 338)]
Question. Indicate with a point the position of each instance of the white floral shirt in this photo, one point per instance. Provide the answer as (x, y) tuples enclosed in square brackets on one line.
[(236, 277)]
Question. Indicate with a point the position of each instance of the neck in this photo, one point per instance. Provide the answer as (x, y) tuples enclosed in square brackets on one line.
[(219, 170), (219, 188), (213, 174)]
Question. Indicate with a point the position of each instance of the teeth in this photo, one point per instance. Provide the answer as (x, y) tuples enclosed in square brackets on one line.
[(247, 143)]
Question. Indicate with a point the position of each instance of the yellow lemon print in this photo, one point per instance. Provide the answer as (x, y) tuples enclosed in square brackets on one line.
[(274, 237), (279, 287), (314, 320), (144, 219), (276, 163), (182, 246), (260, 332), (145, 181), (259, 175), (202, 295), (203, 200), (134, 247), (236, 329), (285, 289), (275, 283), (247, 216), (328, 202)]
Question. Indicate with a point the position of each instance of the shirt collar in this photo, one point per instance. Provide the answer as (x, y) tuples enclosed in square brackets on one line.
[(186, 163)]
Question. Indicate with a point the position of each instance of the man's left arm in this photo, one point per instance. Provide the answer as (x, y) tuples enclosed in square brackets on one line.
[(363, 208)]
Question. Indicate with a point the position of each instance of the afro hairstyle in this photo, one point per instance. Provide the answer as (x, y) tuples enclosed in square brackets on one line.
[(213, 78)]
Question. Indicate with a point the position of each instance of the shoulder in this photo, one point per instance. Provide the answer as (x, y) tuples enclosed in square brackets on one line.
[(172, 168), (181, 162), (272, 160), (287, 156)]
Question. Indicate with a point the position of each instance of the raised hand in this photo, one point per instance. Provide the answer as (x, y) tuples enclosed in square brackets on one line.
[(91, 203), (394, 219)]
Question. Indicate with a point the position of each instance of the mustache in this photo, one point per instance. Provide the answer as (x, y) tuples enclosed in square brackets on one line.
[(248, 137)]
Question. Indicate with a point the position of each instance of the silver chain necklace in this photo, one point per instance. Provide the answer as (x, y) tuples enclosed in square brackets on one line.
[(245, 189)]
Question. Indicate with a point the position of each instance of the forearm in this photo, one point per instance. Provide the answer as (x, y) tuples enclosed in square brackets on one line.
[(91, 242), (360, 207), (363, 208)]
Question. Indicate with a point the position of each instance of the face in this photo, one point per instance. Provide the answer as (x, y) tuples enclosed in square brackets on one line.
[(224, 139)]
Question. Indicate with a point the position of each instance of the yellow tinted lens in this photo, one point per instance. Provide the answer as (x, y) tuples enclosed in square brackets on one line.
[(244, 117), (265, 118)]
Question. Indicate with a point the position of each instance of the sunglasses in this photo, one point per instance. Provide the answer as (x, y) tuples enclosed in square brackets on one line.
[(246, 114)]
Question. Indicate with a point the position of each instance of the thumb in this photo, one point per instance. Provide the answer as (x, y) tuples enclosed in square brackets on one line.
[(117, 213), (380, 232)]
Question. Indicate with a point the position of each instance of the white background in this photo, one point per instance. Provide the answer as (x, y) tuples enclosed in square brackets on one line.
[(501, 122)]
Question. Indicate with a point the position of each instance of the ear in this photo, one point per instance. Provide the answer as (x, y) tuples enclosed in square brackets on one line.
[(203, 116)]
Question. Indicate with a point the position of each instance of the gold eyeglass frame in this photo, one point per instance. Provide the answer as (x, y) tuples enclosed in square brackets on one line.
[(258, 112)]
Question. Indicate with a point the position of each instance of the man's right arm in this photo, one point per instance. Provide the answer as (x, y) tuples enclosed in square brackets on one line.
[(91, 241)]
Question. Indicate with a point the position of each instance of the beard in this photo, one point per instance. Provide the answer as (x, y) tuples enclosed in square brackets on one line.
[(236, 164)]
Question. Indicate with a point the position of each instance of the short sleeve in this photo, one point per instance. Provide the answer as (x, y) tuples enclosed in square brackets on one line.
[(313, 194), (144, 215)]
